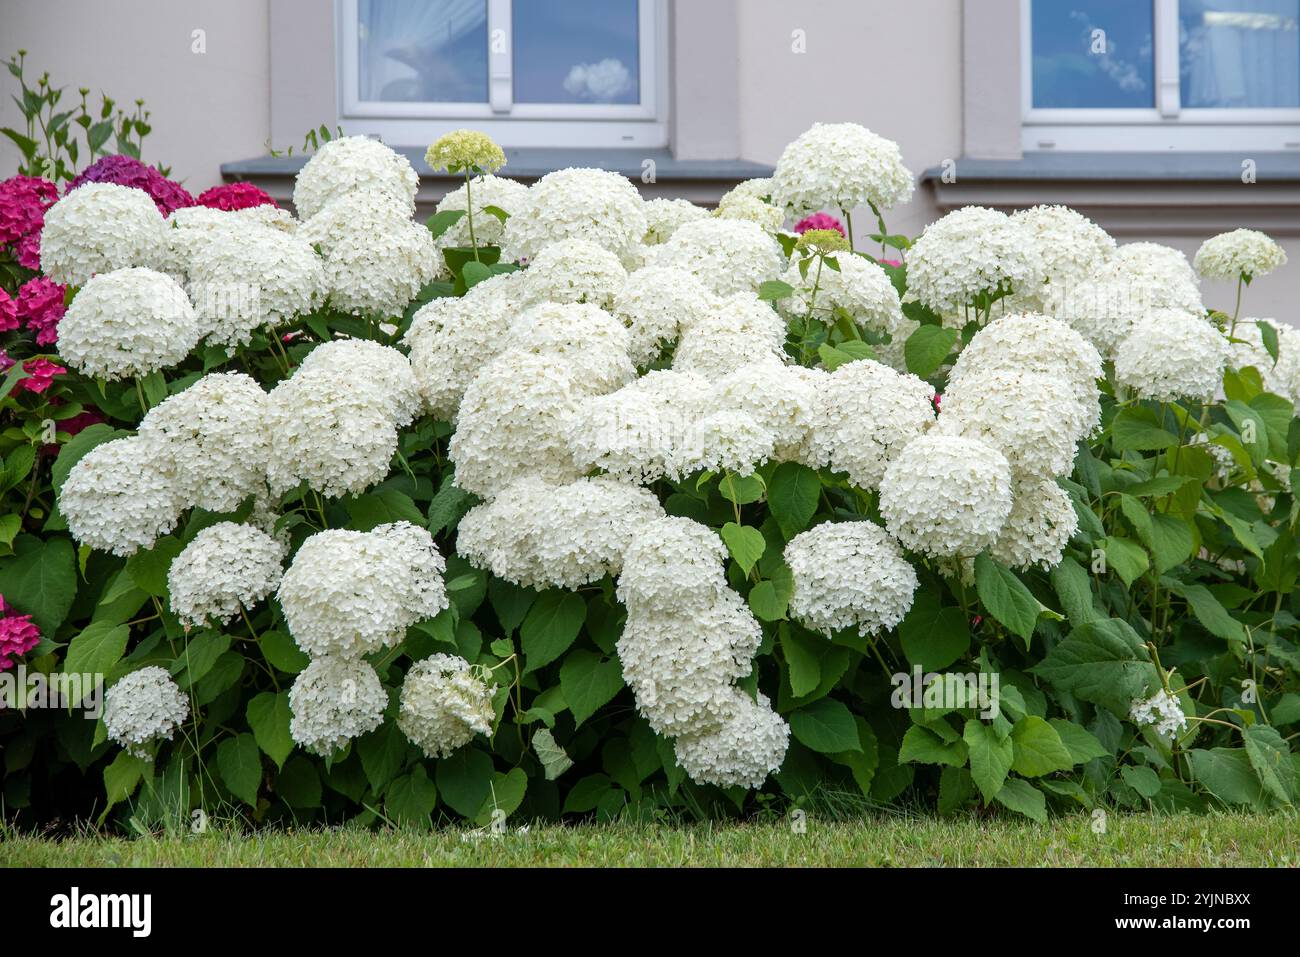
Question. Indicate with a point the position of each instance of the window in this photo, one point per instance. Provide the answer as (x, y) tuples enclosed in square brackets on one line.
[(1161, 74), (529, 72)]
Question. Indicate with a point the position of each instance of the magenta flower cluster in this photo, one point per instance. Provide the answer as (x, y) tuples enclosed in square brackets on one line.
[(128, 171)]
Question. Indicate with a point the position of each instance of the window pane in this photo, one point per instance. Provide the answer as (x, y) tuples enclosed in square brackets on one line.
[(1239, 53), (1093, 54), (576, 51), (422, 50)]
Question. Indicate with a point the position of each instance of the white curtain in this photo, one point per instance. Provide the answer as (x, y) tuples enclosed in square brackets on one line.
[(1240, 53), (416, 49)]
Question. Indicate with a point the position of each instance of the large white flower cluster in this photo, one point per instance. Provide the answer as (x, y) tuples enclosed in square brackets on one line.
[(592, 204), (216, 439), (350, 593), (142, 707), (228, 566), (1041, 523), (849, 575), (1171, 355), (334, 700), (191, 228), (1162, 711), (1241, 253), (443, 705), (946, 496), (971, 253), (857, 286), (248, 278), (334, 421), (120, 497), (1073, 247), (128, 322), (375, 259), (1246, 348), (352, 163), (727, 255), (737, 330), (840, 166), (575, 270), (507, 195), (864, 415), (665, 216), (657, 303), (100, 227)]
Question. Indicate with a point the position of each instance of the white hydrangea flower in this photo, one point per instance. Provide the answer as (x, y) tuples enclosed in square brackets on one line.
[(738, 330), (757, 188), (129, 322), (1156, 276), (1034, 343), (782, 399), (750, 210), (680, 664), (1035, 419), (672, 564), (190, 227), (335, 434), (1163, 711), (561, 536), (242, 280), (724, 440), (100, 227), (507, 195), (946, 496), (1242, 252), (665, 216), (592, 344), (601, 207), (1073, 247), (728, 255), (973, 252), (351, 163), (228, 566), (350, 593), (849, 574), (1041, 523), (1224, 462), (452, 338), (657, 303), (216, 438), (382, 368), (512, 423), (629, 434), (443, 705), (377, 260), (749, 745), (864, 414), (1171, 355), (1102, 309), (120, 497), (334, 700), (859, 287), (574, 270), (840, 166), (1246, 348), (142, 707)]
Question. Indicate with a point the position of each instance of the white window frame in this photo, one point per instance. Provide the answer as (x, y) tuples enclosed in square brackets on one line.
[(515, 124), (1165, 126)]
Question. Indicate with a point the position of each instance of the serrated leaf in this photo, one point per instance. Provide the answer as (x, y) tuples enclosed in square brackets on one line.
[(792, 495), (240, 764), (269, 715), (555, 761), (927, 348), (1023, 798), (991, 756), (588, 682), (827, 726), (1038, 749), (921, 745), (550, 627), (745, 543)]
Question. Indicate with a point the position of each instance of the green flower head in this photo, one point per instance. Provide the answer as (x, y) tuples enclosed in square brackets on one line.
[(822, 241), (463, 150)]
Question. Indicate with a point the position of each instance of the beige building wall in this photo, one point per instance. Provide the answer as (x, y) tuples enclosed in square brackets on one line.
[(896, 68)]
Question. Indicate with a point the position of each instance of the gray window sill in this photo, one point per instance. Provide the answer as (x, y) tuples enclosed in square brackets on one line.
[(701, 181), (1135, 194)]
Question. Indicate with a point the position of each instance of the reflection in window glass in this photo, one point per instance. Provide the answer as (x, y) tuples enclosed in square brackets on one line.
[(576, 51), (1239, 53), (428, 51), (1093, 54)]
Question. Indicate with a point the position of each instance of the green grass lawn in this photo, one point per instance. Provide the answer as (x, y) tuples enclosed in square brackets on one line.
[(1213, 840)]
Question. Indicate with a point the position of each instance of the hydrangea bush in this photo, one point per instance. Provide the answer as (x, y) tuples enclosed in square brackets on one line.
[(567, 503)]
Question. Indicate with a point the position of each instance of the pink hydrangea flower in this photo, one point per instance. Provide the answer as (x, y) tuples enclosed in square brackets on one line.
[(40, 375), (40, 305), (17, 635), (5, 362), (819, 221), (236, 196), (890, 262), (128, 171), (8, 313), (23, 202), (938, 398)]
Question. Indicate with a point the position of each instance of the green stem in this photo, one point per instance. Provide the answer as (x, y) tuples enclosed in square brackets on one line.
[(469, 214)]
